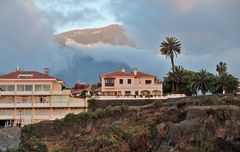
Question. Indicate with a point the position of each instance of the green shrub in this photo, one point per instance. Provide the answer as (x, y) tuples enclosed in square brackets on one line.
[(107, 140), (224, 114), (11, 150), (206, 101), (91, 102), (28, 128), (70, 119), (204, 139)]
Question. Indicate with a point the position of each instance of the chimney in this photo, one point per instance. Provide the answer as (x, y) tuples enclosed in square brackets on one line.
[(135, 70), (46, 70), (123, 70), (18, 68)]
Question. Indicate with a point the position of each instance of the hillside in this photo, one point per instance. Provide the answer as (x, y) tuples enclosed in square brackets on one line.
[(112, 34), (183, 125)]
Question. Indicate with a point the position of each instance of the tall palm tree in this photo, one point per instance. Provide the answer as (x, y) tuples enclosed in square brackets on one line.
[(170, 47), (221, 68), (202, 81)]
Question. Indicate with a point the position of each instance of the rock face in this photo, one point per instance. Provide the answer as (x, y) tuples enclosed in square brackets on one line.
[(187, 127), (112, 35), (9, 138)]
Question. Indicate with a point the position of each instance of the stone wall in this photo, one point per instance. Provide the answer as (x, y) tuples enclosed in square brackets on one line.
[(94, 104), (9, 138)]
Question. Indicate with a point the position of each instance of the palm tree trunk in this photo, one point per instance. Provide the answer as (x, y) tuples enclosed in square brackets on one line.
[(203, 92), (225, 89), (172, 62), (173, 87), (177, 88)]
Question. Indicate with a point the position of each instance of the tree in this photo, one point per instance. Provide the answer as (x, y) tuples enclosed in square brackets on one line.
[(170, 47), (202, 81), (226, 83), (176, 78), (221, 68)]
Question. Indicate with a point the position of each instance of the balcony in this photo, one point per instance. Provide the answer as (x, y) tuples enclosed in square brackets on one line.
[(33, 92)]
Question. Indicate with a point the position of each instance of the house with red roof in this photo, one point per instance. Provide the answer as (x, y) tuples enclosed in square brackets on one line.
[(28, 97), (134, 83), (81, 89)]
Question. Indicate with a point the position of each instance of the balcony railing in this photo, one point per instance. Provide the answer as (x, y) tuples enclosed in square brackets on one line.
[(33, 92)]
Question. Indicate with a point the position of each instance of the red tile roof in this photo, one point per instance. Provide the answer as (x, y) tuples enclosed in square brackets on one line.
[(35, 75), (141, 74), (116, 73), (131, 74)]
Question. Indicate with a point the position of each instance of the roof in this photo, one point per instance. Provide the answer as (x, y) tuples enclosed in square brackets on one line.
[(35, 75), (117, 73), (141, 74), (131, 74)]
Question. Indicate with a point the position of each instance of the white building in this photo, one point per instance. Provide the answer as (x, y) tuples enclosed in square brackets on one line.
[(28, 97), (135, 83)]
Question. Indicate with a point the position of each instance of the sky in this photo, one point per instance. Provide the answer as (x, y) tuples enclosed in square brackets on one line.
[(207, 29)]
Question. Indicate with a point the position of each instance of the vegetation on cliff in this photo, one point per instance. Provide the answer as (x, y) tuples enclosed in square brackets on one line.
[(196, 124)]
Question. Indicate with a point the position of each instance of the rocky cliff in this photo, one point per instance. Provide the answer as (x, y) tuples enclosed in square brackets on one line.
[(175, 125)]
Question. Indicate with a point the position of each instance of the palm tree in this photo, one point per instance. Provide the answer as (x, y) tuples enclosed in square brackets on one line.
[(170, 47), (176, 78), (221, 68), (202, 81), (226, 83)]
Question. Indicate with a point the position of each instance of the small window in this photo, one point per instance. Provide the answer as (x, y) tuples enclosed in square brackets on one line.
[(120, 81), (148, 81), (129, 81), (127, 93)]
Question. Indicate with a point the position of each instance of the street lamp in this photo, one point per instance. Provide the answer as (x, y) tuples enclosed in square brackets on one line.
[(20, 118)]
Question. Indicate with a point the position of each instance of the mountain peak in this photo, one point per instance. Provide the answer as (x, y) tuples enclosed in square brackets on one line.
[(113, 34)]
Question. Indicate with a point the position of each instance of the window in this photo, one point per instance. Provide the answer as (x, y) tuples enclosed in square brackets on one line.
[(42, 99), (109, 93), (20, 87), (109, 82), (46, 87), (136, 93), (10, 87), (127, 93), (28, 87), (3, 87), (129, 81), (148, 81), (38, 87), (25, 76), (120, 81)]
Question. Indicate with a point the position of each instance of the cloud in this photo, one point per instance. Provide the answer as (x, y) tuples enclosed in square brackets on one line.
[(208, 30), (26, 41), (25, 36), (66, 14)]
